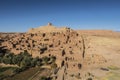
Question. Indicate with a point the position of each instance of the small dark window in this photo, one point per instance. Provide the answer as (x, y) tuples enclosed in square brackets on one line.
[(43, 34)]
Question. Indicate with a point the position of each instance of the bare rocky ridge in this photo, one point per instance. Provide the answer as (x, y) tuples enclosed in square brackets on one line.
[(76, 51), (48, 29)]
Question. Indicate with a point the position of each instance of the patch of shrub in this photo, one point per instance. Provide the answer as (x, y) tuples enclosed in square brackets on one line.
[(53, 65), (2, 69), (17, 70), (89, 79), (45, 78), (46, 59), (25, 61)]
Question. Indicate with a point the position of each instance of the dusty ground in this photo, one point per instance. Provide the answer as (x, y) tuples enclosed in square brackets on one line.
[(97, 51), (108, 47)]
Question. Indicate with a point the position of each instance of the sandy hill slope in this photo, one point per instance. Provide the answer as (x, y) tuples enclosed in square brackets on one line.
[(48, 28), (80, 54)]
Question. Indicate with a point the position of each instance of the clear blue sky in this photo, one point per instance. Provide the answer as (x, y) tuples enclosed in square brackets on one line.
[(20, 15)]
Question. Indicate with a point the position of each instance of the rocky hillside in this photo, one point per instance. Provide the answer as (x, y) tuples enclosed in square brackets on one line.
[(76, 51)]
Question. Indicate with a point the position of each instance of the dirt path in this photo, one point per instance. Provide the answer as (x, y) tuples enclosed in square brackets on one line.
[(40, 73), (83, 53)]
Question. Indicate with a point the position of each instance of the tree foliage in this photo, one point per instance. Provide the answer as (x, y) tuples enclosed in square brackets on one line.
[(24, 60)]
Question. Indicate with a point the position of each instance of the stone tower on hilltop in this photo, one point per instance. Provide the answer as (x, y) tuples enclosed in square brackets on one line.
[(49, 24)]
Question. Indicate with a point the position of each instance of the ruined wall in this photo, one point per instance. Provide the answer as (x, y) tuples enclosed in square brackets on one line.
[(67, 45)]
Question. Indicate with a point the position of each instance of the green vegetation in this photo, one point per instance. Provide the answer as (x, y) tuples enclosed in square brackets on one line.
[(25, 62), (113, 67), (2, 69), (112, 76), (45, 78), (89, 79), (6, 72), (25, 75), (53, 65), (46, 60)]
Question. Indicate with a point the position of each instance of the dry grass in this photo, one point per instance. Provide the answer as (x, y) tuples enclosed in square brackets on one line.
[(112, 76)]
